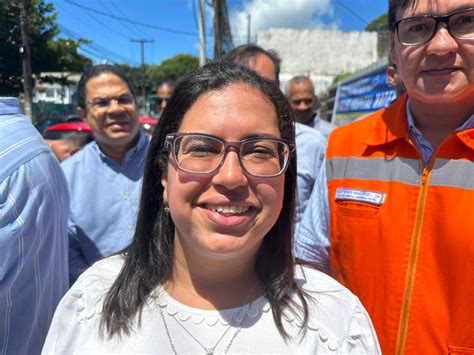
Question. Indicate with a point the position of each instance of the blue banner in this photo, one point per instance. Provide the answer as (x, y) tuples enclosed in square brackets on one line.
[(361, 96)]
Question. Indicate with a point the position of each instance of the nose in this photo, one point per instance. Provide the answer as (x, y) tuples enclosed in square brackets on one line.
[(231, 174), (115, 107), (442, 43)]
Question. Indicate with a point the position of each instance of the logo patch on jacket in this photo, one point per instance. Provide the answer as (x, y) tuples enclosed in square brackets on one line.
[(373, 197)]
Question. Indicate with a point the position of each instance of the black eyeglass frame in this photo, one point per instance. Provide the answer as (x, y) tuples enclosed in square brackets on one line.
[(170, 147), (438, 19), (96, 102)]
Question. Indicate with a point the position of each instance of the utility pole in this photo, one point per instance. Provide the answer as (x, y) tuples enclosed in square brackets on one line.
[(248, 28), (202, 34), (144, 80), (26, 58), (217, 29)]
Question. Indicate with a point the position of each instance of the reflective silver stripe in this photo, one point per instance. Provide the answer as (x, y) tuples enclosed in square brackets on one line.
[(446, 172), (407, 171), (453, 173)]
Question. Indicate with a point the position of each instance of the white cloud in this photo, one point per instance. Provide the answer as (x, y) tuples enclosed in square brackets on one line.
[(301, 14)]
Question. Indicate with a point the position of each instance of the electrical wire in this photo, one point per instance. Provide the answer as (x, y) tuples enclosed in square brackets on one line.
[(352, 12), (141, 24), (99, 49), (169, 30), (130, 28)]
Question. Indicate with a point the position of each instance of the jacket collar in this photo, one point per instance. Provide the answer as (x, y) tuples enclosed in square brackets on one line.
[(390, 125)]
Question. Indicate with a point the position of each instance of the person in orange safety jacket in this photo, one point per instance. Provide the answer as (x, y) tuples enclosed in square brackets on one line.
[(392, 215)]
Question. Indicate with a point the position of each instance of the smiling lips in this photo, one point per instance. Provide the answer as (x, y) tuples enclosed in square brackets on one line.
[(118, 123), (228, 210)]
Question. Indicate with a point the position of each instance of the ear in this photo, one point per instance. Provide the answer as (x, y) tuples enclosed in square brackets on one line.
[(164, 183), (391, 79), (81, 112)]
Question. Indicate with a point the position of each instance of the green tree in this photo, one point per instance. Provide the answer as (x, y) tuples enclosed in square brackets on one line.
[(340, 77), (379, 24), (47, 53), (134, 75), (172, 69)]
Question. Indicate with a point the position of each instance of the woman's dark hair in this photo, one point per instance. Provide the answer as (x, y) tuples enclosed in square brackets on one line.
[(94, 71), (149, 258), (393, 6)]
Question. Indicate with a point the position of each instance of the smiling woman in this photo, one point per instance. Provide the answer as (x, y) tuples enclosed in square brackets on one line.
[(210, 268)]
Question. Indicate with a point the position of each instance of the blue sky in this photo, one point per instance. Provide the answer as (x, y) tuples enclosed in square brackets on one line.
[(172, 24)]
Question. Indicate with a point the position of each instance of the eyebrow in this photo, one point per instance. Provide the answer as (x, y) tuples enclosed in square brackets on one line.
[(261, 135), (462, 8), (127, 94)]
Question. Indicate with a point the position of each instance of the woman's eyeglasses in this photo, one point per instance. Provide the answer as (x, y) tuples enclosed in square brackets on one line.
[(200, 153), (421, 29)]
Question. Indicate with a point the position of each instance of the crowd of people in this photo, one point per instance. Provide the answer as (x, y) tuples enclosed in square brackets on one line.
[(247, 223)]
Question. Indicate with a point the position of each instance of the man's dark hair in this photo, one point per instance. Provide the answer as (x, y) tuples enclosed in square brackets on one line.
[(393, 6), (149, 258), (245, 55), (94, 71)]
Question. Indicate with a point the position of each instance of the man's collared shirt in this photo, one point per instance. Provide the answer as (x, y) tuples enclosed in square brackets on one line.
[(104, 202), (310, 149), (33, 233), (321, 125), (421, 142), (312, 236)]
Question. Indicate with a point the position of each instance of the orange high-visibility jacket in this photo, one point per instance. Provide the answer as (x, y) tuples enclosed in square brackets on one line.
[(402, 233)]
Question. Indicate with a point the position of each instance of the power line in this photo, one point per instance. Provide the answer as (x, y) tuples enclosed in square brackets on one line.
[(101, 50), (133, 21), (141, 24), (126, 25), (102, 24), (91, 17), (352, 12), (135, 29)]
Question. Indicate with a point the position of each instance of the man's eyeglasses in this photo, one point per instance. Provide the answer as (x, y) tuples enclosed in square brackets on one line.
[(421, 29), (200, 153), (103, 103)]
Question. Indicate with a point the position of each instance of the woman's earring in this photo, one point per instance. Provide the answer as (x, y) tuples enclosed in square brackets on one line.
[(166, 208)]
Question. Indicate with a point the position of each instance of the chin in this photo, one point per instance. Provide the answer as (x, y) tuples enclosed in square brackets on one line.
[(231, 247), (444, 95)]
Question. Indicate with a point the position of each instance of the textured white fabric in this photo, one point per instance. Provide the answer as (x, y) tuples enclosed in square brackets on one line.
[(338, 322)]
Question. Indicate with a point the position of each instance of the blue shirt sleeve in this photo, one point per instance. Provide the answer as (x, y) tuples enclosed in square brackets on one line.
[(33, 251), (312, 235)]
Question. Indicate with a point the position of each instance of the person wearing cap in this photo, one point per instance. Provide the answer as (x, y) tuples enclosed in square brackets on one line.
[(105, 176), (391, 216), (66, 139)]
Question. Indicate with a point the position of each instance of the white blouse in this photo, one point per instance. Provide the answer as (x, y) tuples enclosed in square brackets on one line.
[(338, 323)]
